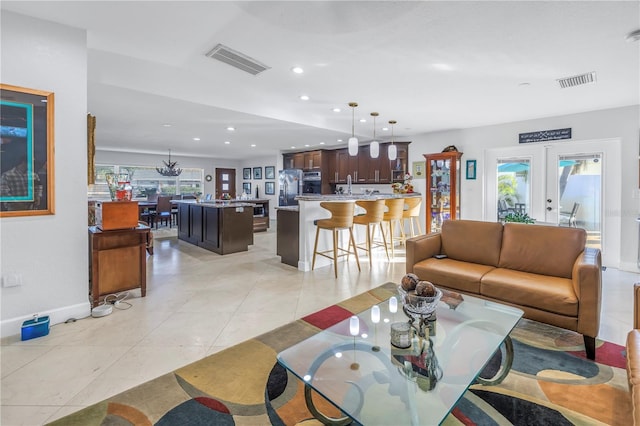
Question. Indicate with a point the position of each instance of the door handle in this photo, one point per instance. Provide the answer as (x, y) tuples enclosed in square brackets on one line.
[(549, 209), (548, 200)]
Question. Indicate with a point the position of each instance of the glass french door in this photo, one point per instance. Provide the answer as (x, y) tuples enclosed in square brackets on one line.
[(573, 184)]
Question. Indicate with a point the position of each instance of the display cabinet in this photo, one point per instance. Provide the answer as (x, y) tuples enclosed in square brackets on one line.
[(443, 188)]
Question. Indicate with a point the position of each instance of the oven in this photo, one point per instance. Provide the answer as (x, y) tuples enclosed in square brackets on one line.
[(312, 182)]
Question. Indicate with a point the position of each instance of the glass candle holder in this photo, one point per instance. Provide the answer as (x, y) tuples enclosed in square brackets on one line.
[(401, 335)]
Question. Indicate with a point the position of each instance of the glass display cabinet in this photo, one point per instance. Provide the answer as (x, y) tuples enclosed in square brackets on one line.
[(443, 188)]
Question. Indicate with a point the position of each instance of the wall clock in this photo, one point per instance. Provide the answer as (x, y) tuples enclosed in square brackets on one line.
[(208, 178)]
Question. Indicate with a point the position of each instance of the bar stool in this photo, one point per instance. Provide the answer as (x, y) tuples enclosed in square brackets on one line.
[(393, 217), (341, 218), (373, 216), (411, 212)]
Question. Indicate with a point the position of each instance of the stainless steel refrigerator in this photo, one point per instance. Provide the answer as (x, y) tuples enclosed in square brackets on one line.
[(290, 185)]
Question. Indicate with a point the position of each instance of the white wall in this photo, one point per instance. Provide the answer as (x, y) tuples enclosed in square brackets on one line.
[(276, 161), (49, 251), (622, 123)]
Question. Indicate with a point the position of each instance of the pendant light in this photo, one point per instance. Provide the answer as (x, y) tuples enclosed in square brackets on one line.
[(393, 151), (353, 141), (374, 148)]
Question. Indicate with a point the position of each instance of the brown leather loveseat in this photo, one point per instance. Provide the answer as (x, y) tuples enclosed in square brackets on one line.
[(544, 270)]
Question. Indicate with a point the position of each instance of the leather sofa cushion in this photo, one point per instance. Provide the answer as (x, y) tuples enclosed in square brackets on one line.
[(551, 294), (472, 241), (546, 250), (452, 274), (633, 372)]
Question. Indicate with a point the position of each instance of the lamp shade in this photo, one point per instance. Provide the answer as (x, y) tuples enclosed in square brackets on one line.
[(375, 314), (393, 305), (393, 152), (374, 149), (353, 146)]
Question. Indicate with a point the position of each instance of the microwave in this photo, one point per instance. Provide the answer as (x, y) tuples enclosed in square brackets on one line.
[(311, 176)]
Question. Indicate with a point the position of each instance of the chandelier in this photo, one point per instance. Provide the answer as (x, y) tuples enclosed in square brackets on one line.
[(169, 168)]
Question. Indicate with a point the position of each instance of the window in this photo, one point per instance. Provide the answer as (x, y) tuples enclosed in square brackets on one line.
[(145, 181)]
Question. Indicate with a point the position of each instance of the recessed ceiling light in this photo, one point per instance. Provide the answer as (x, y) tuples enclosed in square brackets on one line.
[(231, 128), (293, 147), (253, 145), (525, 84), (386, 129), (196, 139), (442, 67), (336, 110), (166, 125), (339, 140), (304, 97), (321, 143), (297, 70), (306, 144), (362, 120), (227, 142)]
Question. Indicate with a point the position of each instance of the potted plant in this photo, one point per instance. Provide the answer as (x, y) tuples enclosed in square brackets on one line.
[(519, 217)]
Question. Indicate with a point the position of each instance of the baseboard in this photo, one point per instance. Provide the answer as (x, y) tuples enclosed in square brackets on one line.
[(629, 267), (13, 326)]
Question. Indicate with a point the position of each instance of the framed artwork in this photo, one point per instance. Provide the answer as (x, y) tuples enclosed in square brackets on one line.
[(471, 169), (246, 188), (26, 163), (257, 172), (269, 188), (270, 172), (246, 173), (419, 169)]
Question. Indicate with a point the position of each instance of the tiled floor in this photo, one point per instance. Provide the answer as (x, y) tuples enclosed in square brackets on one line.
[(198, 303)]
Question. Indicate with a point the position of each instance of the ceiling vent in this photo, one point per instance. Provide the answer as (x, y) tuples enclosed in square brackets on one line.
[(236, 59), (577, 80)]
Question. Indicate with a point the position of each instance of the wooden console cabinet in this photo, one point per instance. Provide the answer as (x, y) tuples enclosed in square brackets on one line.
[(117, 261)]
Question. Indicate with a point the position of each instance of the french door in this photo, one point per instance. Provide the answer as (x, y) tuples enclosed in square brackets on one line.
[(564, 184)]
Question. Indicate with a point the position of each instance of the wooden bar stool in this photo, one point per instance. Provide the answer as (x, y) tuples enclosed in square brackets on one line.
[(412, 212), (393, 217), (341, 218), (373, 216)]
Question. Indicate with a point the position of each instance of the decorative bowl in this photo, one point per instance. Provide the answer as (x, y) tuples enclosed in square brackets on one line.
[(419, 305)]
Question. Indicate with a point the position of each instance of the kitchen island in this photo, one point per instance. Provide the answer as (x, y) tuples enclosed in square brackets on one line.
[(309, 210), (218, 226)]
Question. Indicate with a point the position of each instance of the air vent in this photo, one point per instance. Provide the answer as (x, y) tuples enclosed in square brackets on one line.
[(577, 80), (236, 59)]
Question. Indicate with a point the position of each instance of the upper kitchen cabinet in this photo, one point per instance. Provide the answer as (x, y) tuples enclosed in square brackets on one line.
[(312, 160), (303, 160)]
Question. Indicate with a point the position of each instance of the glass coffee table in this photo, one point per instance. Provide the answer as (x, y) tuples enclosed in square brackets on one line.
[(374, 382)]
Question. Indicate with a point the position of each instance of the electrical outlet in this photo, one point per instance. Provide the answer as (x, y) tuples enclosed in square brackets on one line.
[(12, 280)]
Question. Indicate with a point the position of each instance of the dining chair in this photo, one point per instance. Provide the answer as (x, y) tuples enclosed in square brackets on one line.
[(163, 211)]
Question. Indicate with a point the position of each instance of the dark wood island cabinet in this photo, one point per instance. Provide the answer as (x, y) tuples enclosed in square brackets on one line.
[(219, 227)]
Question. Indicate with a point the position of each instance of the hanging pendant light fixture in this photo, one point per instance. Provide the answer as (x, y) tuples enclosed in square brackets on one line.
[(353, 141), (393, 151), (374, 148), (169, 168)]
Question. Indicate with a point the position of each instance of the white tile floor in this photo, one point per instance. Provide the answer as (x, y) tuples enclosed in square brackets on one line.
[(198, 303)]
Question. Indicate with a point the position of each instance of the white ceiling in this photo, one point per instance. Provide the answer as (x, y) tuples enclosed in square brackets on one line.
[(429, 65)]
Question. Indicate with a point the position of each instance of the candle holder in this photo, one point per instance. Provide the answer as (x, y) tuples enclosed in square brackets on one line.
[(401, 335)]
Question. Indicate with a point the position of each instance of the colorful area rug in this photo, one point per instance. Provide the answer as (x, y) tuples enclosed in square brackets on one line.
[(551, 383)]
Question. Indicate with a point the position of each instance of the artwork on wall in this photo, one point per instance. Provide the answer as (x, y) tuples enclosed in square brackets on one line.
[(257, 172), (26, 163), (246, 173), (270, 172), (246, 188), (269, 188), (419, 169), (471, 169)]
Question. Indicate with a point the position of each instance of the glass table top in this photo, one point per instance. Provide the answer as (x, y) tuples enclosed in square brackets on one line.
[(376, 383)]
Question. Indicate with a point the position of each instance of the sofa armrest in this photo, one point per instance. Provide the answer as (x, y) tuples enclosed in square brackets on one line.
[(587, 283), (422, 247)]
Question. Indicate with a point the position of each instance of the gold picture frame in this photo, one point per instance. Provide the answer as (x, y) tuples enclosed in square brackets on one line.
[(27, 157), (419, 169)]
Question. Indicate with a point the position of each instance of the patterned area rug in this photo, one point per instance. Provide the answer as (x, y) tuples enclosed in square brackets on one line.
[(551, 383)]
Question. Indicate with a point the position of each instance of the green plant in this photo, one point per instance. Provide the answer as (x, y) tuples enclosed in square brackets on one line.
[(519, 217)]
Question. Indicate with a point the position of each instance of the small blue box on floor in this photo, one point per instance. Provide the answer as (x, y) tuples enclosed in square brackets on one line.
[(36, 327)]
